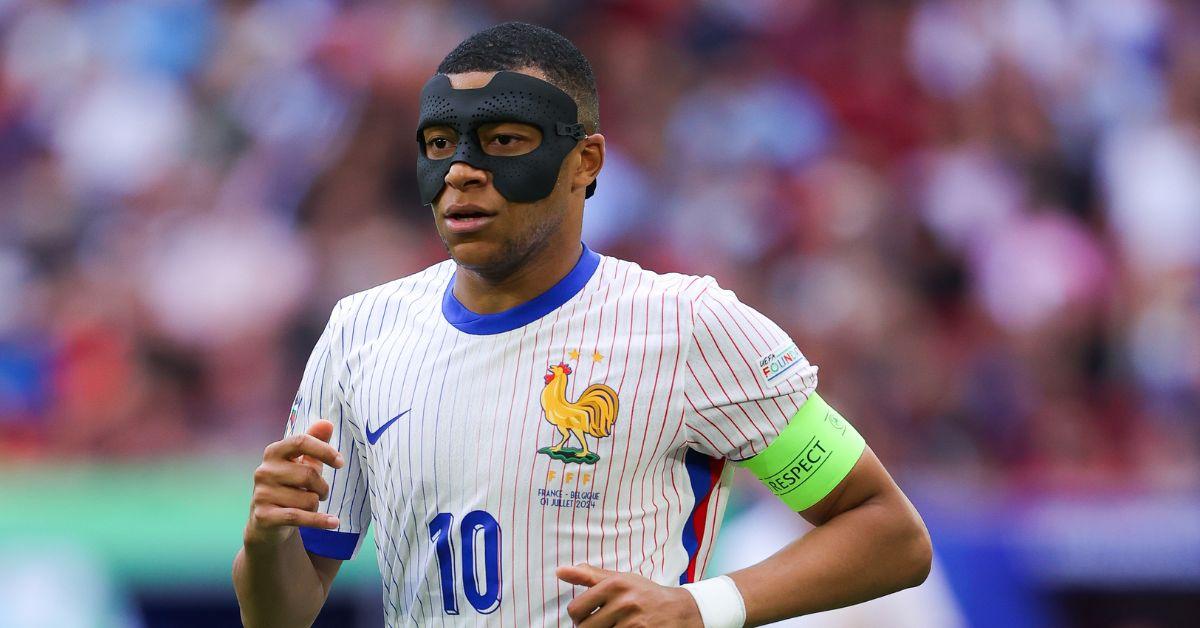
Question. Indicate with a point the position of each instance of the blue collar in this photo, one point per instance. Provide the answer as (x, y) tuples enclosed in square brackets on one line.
[(516, 317)]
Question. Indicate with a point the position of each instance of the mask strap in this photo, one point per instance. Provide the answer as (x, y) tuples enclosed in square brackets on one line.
[(573, 130), (576, 132)]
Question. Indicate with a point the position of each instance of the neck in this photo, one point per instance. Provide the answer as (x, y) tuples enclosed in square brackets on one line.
[(485, 294)]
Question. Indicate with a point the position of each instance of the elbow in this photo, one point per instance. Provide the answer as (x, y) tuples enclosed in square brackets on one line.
[(910, 544), (918, 555)]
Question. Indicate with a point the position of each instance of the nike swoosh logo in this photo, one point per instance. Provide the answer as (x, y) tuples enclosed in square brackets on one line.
[(373, 436)]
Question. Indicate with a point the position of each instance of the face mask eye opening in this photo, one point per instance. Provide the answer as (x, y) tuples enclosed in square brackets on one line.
[(438, 142), (509, 139)]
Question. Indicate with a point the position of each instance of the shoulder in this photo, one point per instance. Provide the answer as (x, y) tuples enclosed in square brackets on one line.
[(704, 306), (696, 304), (630, 279), (415, 291)]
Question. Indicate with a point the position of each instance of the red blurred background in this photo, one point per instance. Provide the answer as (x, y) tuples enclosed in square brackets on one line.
[(980, 218)]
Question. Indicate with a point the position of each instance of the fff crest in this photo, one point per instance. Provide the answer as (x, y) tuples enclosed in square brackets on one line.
[(592, 414)]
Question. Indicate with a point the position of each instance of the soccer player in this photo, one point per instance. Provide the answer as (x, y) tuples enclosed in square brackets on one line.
[(542, 434)]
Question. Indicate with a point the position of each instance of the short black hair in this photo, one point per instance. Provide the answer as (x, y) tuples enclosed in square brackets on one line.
[(517, 45)]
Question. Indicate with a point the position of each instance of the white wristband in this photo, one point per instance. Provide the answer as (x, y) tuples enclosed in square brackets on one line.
[(720, 602)]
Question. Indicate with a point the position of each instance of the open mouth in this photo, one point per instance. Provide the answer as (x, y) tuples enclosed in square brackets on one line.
[(466, 210), (466, 215), (462, 218)]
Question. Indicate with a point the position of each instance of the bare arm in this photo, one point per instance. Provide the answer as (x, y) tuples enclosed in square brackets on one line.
[(869, 542), (278, 582), (282, 585)]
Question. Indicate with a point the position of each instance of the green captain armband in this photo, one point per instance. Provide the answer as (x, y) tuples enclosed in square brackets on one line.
[(810, 457)]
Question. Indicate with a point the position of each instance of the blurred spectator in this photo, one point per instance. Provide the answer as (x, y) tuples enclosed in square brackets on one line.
[(982, 219)]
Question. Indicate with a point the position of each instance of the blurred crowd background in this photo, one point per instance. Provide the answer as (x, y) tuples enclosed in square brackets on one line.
[(980, 218)]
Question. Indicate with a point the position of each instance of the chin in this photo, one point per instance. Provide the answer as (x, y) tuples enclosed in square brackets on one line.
[(478, 255)]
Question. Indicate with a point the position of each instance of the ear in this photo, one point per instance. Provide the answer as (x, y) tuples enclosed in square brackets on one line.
[(591, 160)]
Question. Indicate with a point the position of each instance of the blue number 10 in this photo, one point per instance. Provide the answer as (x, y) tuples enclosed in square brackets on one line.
[(475, 523)]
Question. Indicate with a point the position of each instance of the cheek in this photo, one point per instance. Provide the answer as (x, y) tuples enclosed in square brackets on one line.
[(529, 220), (521, 218)]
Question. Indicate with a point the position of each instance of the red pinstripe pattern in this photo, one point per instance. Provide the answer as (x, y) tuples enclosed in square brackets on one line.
[(810, 381), (641, 452), (665, 457), (628, 565), (607, 283), (785, 386), (719, 408), (573, 382), (533, 482), (684, 379), (750, 369), (757, 402), (649, 422), (722, 405), (628, 335), (508, 433), (734, 376), (513, 514), (700, 433)]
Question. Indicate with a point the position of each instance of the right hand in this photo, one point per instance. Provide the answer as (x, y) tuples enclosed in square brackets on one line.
[(288, 486)]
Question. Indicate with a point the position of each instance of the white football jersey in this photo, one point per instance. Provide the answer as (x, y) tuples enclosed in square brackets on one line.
[(591, 424)]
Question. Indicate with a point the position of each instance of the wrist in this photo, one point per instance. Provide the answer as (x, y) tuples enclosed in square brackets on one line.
[(720, 602), (261, 539)]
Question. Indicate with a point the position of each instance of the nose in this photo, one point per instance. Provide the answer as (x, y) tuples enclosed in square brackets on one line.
[(463, 176)]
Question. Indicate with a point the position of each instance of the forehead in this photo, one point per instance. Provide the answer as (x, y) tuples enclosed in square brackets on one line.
[(474, 80), (465, 100)]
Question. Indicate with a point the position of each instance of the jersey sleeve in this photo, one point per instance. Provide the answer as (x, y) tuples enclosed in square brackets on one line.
[(322, 396), (745, 377)]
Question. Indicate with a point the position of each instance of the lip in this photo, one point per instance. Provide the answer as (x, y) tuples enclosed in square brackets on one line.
[(466, 217)]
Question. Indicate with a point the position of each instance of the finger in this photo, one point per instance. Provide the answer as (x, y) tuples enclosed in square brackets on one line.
[(321, 430), (286, 497), (621, 605), (305, 477), (598, 621), (301, 476), (583, 574), (311, 463), (587, 602), (608, 616), (306, 445), (279, 516)]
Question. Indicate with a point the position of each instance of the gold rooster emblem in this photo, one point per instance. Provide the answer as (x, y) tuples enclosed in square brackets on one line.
[(593, 413)]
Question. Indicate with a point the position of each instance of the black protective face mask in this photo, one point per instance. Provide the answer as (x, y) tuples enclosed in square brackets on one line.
[(508, 97)]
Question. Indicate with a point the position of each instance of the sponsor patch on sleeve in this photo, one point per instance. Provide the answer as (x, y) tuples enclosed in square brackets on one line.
[(780, 363), (295, 411)]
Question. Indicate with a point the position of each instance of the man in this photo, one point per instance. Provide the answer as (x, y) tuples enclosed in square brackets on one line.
[(541, 434)]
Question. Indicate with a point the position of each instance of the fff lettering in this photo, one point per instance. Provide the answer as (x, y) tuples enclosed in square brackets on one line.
[(800, 467)]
